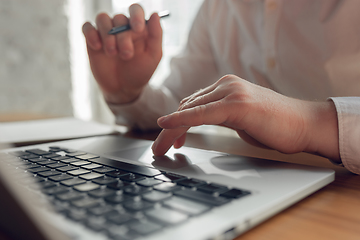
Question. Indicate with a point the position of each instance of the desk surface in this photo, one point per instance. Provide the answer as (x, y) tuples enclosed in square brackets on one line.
[(331, 213)]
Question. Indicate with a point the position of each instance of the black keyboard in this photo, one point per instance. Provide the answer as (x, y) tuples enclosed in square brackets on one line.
[(122, 200)]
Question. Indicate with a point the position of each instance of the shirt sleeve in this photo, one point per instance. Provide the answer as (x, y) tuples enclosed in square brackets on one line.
[(194, 69), (348, 112)]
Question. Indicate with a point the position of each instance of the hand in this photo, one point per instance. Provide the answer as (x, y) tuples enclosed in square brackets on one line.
[(123, 63), (260, 116)]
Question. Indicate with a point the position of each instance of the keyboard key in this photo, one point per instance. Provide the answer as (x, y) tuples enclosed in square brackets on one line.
[(38, 169), (213, 188), (29, 156), (101, 193), (61, 158), (102, 210), (70, 196), (201, 197), (91, 176), (55, 150), (166, 216), (52, 155), (78, 172), (86, 203), (46, 184), (132, 177), (96, 224), (77, 215), (191, 183), (19, 153), (235, 193), (118, 185), (136, 190), (142, 170), (56, 190), (104, 180), (67, 168), (46, 162), (73, 154), (156, 196), (121, 198), (144, 228), (38, 179), (56, 165), (86, 187), (185, 205), (170, 177), (69, 160), (67, 150), (60, 177), (80, 163), (30, 165), (103, 170), (118, 233), (35, 160), (138, 205), (149, 182), (121, 218), (117, 173), (48, 173), (167, 187), (91, 166), (73, 182), (38, 152), (86, 156)]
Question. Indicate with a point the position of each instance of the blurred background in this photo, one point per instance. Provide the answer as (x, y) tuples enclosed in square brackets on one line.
[(44, 70)]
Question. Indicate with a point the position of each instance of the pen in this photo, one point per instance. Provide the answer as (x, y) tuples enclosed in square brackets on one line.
[(116, 30)]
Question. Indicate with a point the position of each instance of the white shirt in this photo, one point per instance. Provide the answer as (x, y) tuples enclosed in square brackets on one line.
[(308, 49)]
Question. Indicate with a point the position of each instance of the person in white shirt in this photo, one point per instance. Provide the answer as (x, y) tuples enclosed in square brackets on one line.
[(283, 73)]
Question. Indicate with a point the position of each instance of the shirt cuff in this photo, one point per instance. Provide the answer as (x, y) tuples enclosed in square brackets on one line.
[(348, 112)]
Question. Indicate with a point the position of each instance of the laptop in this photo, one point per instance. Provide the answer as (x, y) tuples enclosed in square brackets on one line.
[(112, 187)]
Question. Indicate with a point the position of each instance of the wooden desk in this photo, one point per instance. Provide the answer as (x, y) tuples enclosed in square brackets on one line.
[(331, 213)]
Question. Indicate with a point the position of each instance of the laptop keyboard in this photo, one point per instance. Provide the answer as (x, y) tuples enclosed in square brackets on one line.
[(122, 200)]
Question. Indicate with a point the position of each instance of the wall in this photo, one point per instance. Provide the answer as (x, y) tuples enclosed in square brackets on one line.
[(35, 74)]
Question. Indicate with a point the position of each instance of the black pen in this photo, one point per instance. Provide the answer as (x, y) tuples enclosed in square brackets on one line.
[(116, 30)]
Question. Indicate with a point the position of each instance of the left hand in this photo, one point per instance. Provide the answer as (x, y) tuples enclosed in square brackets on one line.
[(260, 116)]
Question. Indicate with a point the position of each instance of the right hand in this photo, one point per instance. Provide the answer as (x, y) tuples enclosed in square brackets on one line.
[(260, 116), (122, 64)]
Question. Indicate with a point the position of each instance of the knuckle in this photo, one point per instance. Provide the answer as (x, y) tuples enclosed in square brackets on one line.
[(226, 78), (200, 110)]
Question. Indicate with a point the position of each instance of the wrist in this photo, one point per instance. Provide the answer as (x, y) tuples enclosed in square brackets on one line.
[(122, 97), (323, 130)]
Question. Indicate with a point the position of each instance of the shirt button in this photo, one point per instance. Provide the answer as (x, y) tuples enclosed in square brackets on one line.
[(271, 63)]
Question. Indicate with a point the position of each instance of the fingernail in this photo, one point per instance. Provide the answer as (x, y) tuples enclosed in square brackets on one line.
[(153, 147)]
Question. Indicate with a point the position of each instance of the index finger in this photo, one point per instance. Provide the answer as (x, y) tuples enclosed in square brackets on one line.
[(104, 24), (137, 18), (213, 113), (166, 139)]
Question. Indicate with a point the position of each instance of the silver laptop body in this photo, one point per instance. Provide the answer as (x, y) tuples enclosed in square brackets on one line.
[(187, 194)]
